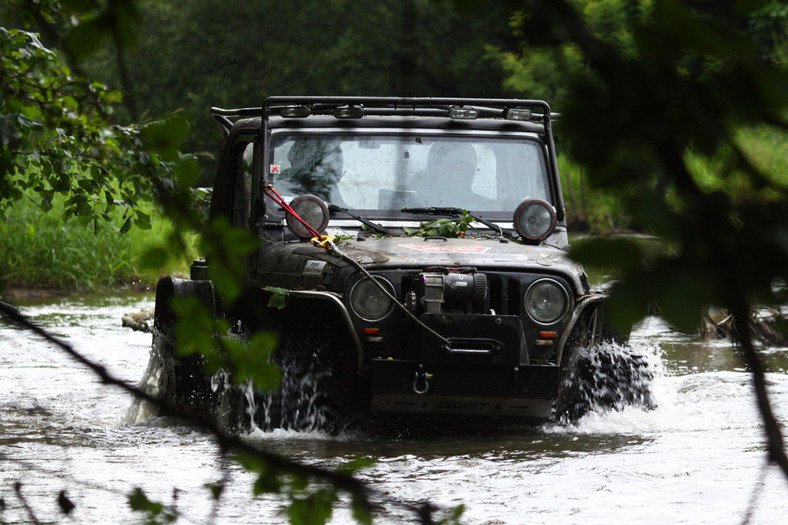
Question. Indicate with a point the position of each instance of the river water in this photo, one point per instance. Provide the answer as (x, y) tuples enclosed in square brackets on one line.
[(697, 458)]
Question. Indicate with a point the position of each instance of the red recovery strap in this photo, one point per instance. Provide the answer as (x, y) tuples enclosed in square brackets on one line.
[(274, 195)]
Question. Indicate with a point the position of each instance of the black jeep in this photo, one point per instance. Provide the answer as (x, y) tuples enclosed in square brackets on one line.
[(420, 243)]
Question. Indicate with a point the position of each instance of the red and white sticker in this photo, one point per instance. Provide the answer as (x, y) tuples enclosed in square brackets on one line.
[(437, 248), (275, 169)]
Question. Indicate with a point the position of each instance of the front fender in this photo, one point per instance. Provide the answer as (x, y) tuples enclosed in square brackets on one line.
[(169, 287), (585, 306), (307, 308), (334, 302)]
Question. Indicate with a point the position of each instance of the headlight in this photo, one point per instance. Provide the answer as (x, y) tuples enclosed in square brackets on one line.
[(534, 220), (546, 301), (368, 300)]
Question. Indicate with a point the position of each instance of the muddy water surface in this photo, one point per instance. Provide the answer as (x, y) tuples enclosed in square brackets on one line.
[(697, 458)]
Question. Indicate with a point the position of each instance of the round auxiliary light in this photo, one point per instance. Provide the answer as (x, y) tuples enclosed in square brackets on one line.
[(368, 301), (534, 220), (314, 212), (546, 301)]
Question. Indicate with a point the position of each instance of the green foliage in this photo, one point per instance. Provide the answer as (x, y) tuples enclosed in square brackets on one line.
[(45, 250), (589, 208), (675, 116), (56, 138), (428, 48), (107, 167), (227, 247), (309, 502), (246, 358), (443, 227)]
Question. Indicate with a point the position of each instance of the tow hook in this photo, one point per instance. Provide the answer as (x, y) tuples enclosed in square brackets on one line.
[(421, 381)]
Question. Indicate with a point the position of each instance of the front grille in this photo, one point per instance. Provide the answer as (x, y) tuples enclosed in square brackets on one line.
[(505, 289)]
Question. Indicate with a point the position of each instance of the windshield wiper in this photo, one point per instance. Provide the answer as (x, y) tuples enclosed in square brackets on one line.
[(333, 208), (458, 212)]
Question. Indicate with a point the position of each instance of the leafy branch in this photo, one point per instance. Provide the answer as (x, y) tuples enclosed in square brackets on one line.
[(689, 82), (443, 227)]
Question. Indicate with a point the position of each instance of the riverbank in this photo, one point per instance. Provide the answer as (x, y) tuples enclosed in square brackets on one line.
[(14, 293), (45, 254)]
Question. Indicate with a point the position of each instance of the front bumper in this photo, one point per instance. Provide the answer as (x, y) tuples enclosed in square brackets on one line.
[(401, 386)]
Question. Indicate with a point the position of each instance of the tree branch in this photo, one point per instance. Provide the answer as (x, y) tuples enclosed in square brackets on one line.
[(226, 442), (775, 442)]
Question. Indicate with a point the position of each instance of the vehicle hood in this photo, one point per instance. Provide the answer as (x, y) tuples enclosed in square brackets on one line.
[(481, 253)]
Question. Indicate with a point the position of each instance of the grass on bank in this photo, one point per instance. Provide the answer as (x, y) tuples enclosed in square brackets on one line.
[(43, 250)]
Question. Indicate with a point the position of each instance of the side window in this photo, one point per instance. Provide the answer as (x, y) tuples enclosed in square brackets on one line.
[(242, 186)]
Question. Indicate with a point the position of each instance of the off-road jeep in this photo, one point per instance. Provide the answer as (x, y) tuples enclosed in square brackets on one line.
[(444, 287)]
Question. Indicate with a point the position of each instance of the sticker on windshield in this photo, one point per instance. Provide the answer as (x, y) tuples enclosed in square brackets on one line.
[(275, 169), (467, 248)]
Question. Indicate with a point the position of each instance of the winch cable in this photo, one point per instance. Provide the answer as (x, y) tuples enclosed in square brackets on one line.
[(332, 248), (327, 242)]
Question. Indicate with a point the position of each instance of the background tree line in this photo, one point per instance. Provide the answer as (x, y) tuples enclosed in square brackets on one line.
[(192, 55)]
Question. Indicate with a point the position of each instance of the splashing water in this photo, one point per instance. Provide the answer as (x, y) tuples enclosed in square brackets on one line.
[(609, 377), (298, 404)]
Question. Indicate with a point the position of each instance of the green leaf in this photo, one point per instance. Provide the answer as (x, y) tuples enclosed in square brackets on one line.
[(187, 171), (165, 136), (85, 38), (154, 258), (139, 501), (362, 511), (615, 254), (356, 464), (314, 509), (194, 331), (142, 220), (126, 226), (279, 297), (216, 489)]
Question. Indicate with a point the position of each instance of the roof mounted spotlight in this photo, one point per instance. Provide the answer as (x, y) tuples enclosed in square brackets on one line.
[(463, 112), (295, 112), (349, 112), (518, 114)]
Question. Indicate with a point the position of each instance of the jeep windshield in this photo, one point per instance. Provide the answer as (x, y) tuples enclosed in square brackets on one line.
[(378, 174)]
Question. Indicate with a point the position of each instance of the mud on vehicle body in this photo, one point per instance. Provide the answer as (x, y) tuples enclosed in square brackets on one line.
[(398, 317)]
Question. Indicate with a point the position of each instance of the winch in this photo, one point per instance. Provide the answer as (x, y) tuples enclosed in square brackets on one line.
[(448, 291)]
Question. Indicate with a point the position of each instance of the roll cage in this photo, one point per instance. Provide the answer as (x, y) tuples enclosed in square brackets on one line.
[(442, 112)]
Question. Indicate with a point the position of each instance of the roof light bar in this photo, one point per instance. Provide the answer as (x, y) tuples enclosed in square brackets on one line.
[(349, 112), (463, 113), (295, 112), (518, 114)]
